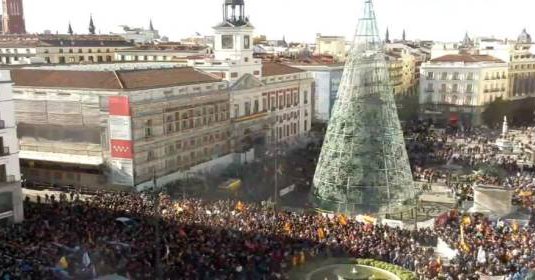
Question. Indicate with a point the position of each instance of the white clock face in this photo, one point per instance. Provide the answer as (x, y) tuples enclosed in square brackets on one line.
[(227, 41)]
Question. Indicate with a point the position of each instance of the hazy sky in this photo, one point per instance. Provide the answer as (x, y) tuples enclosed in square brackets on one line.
[(299, 20)]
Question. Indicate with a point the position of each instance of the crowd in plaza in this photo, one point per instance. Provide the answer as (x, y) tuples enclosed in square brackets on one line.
[(67, 237), (116, 233), (453, 156)]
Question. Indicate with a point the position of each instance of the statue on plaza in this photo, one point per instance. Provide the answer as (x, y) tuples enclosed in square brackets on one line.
[(505, 127)]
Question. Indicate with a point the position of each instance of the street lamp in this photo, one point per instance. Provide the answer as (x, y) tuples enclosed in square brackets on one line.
[(156, 197)]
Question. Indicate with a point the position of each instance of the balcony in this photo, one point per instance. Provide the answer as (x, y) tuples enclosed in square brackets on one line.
[(4, 151)]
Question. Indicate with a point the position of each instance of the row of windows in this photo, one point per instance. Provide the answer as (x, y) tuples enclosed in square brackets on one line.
[(13, 51), (196, 112), (523, 66), (455, 88), (174, 163), (290, 115), (288, 130), (180, 146), (468, 76), (196, 122), (72, 50), (145, 58), (74, 59), (453, 99)]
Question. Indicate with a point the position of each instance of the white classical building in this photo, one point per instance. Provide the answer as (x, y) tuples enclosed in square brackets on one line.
[(456, 87), (331, 45), (270, 102), (10, 188)]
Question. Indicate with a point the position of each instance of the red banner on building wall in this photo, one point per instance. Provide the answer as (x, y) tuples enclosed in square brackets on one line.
[(119, 106), (122, 149)]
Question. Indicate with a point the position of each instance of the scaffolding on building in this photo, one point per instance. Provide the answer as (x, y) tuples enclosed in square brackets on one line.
[(363, 167)]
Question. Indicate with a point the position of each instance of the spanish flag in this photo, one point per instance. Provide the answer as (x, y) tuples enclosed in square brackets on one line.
[(288, 228), (515, 227), (525, 194), (240, 206), (342, 219), (466, 221), (465, 247), (321, 234), (369, 220)]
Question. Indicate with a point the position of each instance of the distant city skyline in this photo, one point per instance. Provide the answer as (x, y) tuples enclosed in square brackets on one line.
[(297, 20)]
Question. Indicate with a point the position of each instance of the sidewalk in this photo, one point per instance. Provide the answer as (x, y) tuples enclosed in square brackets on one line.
[(32, 194)]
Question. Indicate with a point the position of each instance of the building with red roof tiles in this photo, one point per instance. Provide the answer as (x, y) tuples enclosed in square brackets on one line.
[(101, 125)]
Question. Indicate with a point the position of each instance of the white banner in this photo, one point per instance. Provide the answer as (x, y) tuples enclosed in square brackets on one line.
[(287, 190), (122, 172), (120, 128)]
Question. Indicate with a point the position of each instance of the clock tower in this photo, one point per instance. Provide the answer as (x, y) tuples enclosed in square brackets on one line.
[(234, 36)]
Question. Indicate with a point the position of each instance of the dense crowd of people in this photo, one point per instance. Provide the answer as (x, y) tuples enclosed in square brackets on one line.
[(146, 236), (452, 156), (116, 233)]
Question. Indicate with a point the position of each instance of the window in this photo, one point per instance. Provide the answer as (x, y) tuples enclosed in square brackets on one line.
[(429, 87), (264, 104), (247, 108), (246, 42), (236, 110), (305, 97), (456, 76), (444, 76), (246, 59), (234, 75), (455, 88), (443, 88), (469, 88), (148, 128), (150, 155), (256, 107), (227, 41), (256, 73), (60, 50), (470, 76)]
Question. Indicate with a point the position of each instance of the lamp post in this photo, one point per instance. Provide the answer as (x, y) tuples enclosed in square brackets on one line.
[(157, 226)]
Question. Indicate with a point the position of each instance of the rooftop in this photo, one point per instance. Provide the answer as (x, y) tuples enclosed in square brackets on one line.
[(112, 79), (168, 47), (61, 40), (467, 58), (275, 69)]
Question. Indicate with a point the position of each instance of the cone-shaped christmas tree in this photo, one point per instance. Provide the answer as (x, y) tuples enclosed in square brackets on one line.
[(363, 167)]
